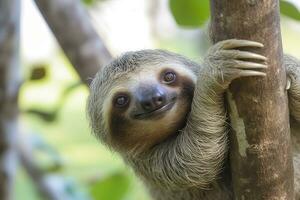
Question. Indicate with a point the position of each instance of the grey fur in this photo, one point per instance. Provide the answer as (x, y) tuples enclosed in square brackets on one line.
[(293, 74), (192, 165)]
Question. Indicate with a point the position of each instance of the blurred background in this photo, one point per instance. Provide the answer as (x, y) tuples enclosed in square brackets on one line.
[(59, 157)]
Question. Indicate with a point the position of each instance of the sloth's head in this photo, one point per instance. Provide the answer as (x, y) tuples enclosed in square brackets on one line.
[(141, 99)]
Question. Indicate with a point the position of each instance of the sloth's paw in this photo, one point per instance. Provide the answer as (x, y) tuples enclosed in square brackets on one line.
[(227, 61)]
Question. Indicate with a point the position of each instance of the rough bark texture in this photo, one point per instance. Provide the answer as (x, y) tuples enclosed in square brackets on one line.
[(9, 86), (261, 158), (71, 26)]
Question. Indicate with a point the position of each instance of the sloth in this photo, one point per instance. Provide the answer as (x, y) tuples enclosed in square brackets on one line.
[(166, 116)]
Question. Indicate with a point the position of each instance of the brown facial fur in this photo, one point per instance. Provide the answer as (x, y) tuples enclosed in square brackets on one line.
[(128, 134)]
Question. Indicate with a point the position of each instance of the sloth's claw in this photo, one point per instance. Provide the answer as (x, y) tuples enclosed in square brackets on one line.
[(288, 83), (246, 73), (249, 55), (250, 65), (238, 54), (235, 43)]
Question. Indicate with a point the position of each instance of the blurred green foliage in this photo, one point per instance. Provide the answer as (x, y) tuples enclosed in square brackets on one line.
[(88, 2), (91, 2), (194, 13), (113, 187), (290, 10)]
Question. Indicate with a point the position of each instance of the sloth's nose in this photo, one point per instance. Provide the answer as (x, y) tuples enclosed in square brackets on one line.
[(152, 98), (153, 102)]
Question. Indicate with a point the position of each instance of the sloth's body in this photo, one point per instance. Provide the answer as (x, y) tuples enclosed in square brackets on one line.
[(166, 116)]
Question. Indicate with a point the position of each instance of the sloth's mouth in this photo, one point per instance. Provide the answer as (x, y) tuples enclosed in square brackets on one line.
[(157, 112)]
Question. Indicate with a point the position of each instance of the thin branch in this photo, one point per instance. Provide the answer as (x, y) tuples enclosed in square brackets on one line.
[(71, 25)]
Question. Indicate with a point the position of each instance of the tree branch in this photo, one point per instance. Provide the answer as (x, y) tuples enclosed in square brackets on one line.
[(70, 23)]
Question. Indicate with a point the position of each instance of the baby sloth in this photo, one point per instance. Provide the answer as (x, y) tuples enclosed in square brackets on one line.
[(166, 116)]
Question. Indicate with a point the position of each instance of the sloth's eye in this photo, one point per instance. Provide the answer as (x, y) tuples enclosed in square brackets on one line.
[(121, 100), (169, 77)]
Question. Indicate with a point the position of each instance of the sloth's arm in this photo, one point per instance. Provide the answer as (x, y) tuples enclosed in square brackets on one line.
[(195, 157), (293, 84)]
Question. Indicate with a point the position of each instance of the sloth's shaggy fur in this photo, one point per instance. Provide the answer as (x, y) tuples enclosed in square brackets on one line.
[(192, 165)]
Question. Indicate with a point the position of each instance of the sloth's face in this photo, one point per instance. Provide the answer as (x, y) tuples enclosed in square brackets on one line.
[(149, 107)]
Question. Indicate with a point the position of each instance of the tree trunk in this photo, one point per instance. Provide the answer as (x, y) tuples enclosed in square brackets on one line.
[(9, 86), (260, 155), (73, 30)]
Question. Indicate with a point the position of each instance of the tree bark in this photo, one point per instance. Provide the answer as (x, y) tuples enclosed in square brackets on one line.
[(9, 87), (71, 25), (260, 155)]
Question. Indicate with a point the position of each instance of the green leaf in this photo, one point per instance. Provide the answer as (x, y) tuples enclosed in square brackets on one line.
[(91, 2), (88, 2), (192, 13), (290, 10), (113, 187)]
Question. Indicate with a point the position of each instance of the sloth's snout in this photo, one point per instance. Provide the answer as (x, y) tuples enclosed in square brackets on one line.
[(153, 101), (152, 98)]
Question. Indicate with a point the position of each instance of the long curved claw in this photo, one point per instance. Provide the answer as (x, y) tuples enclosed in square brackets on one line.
[(249, 55), (249, 65), (288, 83), (246, 73), (235, 43)]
